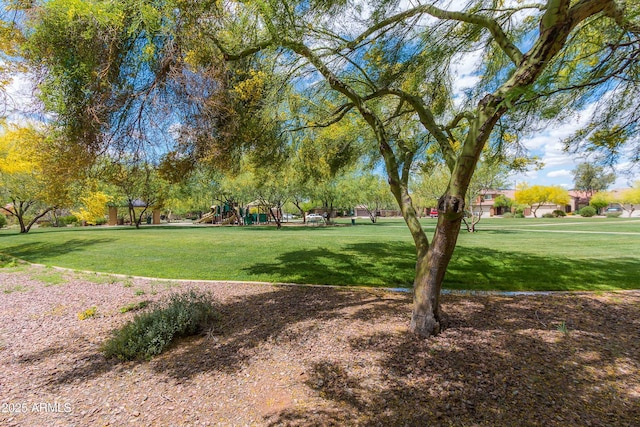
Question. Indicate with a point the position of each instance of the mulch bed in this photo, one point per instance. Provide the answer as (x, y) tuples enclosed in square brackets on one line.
[(301, 356)]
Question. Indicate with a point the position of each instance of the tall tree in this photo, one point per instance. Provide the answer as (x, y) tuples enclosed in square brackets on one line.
[(139, 186), (369, 191), (393, 68), (29, 178), (592, 178), (629, 198), (488, 176), (539, 195)]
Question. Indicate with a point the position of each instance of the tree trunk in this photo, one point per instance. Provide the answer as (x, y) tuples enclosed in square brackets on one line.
[(276, 219), (427, 318), (302, 214), (23, 227)]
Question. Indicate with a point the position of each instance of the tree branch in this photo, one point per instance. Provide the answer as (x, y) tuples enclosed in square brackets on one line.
[(490, 24)]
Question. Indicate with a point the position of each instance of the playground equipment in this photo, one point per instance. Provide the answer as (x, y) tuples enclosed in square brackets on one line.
[(225, 215)]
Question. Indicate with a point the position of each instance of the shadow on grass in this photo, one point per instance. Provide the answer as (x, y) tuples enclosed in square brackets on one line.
[(33, 251), (375, 264), (392, 265), (486, 269)]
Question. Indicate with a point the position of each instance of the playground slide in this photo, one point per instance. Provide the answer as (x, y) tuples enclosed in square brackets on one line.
[(206, 219), (229, 220)]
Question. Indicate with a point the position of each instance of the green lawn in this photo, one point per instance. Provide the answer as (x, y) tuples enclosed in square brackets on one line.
[(506, 254)]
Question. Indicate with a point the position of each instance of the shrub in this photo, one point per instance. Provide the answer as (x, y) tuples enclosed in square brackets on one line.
[(88, 313), (7, 261), (66, 220), (151, 332), (507, 215), (613, 214), (587, 211), (558, 213), (548, 215), (3, 220), (519, 215), (134, 306)]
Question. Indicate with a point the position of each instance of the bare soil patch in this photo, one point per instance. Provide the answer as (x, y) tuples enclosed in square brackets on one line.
[(298, 356)]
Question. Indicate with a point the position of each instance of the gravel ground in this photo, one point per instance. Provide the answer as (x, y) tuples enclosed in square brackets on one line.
[(301, 356)]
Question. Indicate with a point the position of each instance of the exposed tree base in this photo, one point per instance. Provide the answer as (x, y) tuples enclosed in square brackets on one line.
[(426, 326)]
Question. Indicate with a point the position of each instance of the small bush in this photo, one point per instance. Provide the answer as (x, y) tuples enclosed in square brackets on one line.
[(3, 220), (134, 306), (587, 211), (613, 214), (66, 220), (150, 333), (8, 262), (519, 215), (548, 215), (507, 215), (558, 213), (88, 313)]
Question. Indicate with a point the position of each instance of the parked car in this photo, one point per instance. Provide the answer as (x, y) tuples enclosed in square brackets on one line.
[(314, 217), (613, 210), (433, 213)]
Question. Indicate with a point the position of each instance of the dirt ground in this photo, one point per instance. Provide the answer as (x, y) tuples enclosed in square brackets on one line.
[(304, 356)]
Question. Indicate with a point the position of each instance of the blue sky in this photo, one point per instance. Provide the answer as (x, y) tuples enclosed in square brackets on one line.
[(547, 145)]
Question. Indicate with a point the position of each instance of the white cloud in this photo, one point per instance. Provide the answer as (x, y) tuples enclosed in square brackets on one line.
[(21, 102), (562, 173), (465, 67)]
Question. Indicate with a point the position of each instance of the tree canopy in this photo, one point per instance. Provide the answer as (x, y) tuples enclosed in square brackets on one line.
[(538, 195), (215, 79), (592, 178)]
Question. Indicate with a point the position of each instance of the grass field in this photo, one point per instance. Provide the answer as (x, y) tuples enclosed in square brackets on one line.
[(506, 254)]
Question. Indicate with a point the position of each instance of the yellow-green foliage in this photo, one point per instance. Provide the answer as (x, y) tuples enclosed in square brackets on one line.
[(94, 205), (88, 313), (18, 151), (629, 195), (541, 194), (601, 199)]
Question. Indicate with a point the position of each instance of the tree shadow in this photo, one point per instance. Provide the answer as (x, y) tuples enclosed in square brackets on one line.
[(379, 264), (35, 249), (492, 269), (279, 316), (492, 367), (502, 361), (247, 322)]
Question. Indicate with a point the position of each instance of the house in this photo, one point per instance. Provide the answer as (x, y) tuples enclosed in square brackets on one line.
[(484, 203), (578, 200)]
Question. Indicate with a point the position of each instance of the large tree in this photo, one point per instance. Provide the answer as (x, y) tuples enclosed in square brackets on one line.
[(32, 183), (529, 68), (138, 186), (391, 64), (539, 195), (592, 178), (629, 198)]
